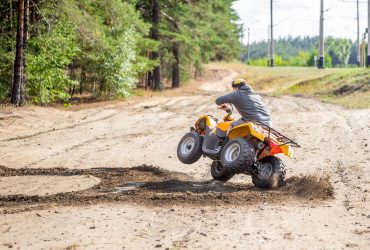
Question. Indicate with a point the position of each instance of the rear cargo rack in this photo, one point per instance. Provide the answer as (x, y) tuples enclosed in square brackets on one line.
[(282, 139)]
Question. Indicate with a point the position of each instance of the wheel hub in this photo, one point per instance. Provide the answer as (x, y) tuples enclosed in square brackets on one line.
[(187, 146), (219, 167), (265, 169), (232, 152)]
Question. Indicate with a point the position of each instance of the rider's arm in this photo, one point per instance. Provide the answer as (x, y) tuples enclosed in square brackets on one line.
[(228, 98)]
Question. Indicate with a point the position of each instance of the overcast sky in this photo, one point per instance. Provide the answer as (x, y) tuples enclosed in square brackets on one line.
[(301, 17)]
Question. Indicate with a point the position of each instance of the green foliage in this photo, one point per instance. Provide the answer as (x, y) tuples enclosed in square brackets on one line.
[(327, 60), (300, 60), (7, 49), (340, 50), (6, 67), (259, 62), (48, 56), (300, 51), (103, 47), (119, 72), (204, 30), (111, 37), (303, 59), (285, 47)]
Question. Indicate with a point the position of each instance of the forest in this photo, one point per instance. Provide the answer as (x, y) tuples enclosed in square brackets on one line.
[(300, 51), (52, 50)]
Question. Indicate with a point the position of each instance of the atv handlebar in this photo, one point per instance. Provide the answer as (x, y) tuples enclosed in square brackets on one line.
[(227, 109)]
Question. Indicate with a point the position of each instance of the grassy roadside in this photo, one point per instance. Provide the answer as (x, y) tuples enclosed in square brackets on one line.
[(346, 87)]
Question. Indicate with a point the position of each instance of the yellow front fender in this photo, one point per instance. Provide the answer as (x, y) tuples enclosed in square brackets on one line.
[(211, 123)]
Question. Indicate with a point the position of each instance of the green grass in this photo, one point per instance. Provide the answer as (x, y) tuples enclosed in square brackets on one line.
[(348, 87)]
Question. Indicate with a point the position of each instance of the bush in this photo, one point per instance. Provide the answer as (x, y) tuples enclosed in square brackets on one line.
[(49, 55)]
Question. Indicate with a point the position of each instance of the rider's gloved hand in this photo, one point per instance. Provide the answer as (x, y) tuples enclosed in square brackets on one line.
[(223, 107)]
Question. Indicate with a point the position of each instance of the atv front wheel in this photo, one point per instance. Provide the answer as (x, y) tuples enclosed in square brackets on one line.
[(271, 173), (189, 149), (219, 172), (238, 155)]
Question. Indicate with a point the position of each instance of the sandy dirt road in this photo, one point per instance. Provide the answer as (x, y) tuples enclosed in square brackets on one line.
[(179, 206)]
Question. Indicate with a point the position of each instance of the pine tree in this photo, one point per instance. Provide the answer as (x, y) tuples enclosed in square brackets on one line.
[(16, 98), (155, 36)]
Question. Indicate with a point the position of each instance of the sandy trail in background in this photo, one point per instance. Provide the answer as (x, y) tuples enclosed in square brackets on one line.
[(146, 132)]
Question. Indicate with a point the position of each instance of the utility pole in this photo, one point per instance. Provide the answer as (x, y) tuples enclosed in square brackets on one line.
[(358, 34), (368, 34), (320, 64), (272, 36), (249, 51), (268, 46), (242, 44), (363, 51)]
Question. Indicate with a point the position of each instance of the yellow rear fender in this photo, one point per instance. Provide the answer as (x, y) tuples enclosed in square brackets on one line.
[(287, 150), (258, 132), (246, 129)]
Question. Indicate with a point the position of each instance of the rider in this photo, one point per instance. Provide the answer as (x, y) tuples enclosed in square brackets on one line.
[(248, 103)]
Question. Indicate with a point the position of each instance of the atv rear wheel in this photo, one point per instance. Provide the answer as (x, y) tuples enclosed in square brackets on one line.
[(238, 155), (219, 172), (272, 173), (189, 149)]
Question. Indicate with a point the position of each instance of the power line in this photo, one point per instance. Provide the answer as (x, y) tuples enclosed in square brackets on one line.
[(332, 7), (289, 17), (351, 1)]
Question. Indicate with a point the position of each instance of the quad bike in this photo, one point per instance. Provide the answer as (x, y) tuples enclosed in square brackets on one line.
[(237, 148)]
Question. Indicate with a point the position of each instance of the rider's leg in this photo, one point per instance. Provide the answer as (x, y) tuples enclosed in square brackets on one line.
[(237, 123), (211, 141)]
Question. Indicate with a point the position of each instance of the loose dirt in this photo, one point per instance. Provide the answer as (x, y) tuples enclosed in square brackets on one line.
[(142, 197), (44, 185), (152, 186)]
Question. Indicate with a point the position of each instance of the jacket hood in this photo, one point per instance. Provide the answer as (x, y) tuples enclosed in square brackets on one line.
[(247, 89)]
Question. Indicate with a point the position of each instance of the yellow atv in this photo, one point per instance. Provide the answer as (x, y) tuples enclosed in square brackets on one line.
[(236, 148)]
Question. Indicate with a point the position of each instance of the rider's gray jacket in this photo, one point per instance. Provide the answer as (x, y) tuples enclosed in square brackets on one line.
[(248, 103)]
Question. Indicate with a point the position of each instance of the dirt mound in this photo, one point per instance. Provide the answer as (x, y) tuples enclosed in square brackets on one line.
[(309, 187), (152, 186)]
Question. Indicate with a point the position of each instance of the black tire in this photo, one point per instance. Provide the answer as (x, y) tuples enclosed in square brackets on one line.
[(238, 155), (272, 173), (189, 149), (219, 172)]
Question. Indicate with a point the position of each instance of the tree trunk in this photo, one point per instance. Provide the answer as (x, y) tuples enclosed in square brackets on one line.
[(15, 98), (11, 11), (33, 18), (11, 14), (176, 66), (150, 79), (155, 36), (23, 86), (146, 81), (83, 80), (72, 89)]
